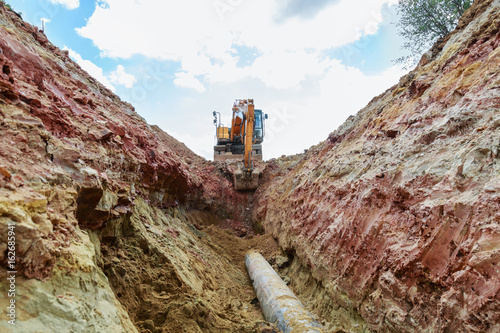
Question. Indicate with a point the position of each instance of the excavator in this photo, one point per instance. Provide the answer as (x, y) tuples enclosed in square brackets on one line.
[(241, 142)]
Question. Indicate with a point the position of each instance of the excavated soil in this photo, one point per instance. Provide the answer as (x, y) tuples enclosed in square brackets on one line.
[(209, 292)]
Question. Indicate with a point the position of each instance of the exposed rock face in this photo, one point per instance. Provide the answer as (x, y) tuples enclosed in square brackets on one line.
[(91, 188), (76, 298), (397, 213), (68, 132)]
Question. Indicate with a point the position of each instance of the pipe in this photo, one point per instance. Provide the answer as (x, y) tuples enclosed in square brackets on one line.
[(278, 302)]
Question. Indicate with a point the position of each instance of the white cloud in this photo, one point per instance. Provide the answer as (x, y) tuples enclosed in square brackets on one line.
[(187, 80), (94, 70), (69, 4), (306, 93), (286, 70), (202, 35), (301, 120), (119, 76), (200, 144), (296, 121)]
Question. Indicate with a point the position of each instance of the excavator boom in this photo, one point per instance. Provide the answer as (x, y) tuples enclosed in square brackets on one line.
[(249, 136)]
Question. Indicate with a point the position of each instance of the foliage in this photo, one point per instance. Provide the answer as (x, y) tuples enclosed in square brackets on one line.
[(423, 22), (6, 5), (9, 7)]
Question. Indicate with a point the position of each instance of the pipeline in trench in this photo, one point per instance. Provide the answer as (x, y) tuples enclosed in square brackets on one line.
[(183, 270)]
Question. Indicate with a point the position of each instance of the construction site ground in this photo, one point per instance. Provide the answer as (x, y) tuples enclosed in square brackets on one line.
[(202, 283)]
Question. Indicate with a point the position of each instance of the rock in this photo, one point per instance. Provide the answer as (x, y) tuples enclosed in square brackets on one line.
[(426, 58), (236, 304), (282, 261), (5, 173), (100, 135), (149, 325), (391, 133), (385, 228), (82, 301), (81, 98), (80, 172), (41, 38)]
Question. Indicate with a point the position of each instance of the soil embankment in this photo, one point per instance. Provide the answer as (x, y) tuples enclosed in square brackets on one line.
[(116, 223), (396, 215)]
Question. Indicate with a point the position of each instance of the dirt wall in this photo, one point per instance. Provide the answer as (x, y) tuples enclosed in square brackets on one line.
[(396, 214)]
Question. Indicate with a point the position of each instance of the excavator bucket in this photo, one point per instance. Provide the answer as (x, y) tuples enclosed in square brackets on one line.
[(246, 180)]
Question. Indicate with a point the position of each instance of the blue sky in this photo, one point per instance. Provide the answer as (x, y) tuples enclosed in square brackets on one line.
[(309, 65)]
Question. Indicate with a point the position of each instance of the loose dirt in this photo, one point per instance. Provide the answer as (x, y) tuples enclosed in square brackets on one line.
[(200, 285)]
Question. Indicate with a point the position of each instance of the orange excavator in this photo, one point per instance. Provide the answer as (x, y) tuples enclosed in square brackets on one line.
[(241, 142)]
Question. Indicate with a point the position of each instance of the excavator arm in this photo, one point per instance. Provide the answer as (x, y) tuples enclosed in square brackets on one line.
[(250, 117), (245, 177)]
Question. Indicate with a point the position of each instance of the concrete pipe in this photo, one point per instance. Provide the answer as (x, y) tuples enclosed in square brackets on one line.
[(278, 302)]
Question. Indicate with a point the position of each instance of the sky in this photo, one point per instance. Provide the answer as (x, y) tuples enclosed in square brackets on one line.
[(308, 64)]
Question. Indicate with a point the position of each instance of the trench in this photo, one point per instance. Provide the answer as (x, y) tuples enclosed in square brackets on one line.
[(183, 270)]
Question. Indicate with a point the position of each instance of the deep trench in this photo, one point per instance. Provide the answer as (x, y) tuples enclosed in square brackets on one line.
[(157, 285)]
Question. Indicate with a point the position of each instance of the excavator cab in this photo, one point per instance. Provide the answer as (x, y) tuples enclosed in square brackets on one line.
[(259, 127), (241, 142)]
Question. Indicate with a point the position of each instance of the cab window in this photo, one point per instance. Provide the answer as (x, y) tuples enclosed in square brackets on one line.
[(258, 124)]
